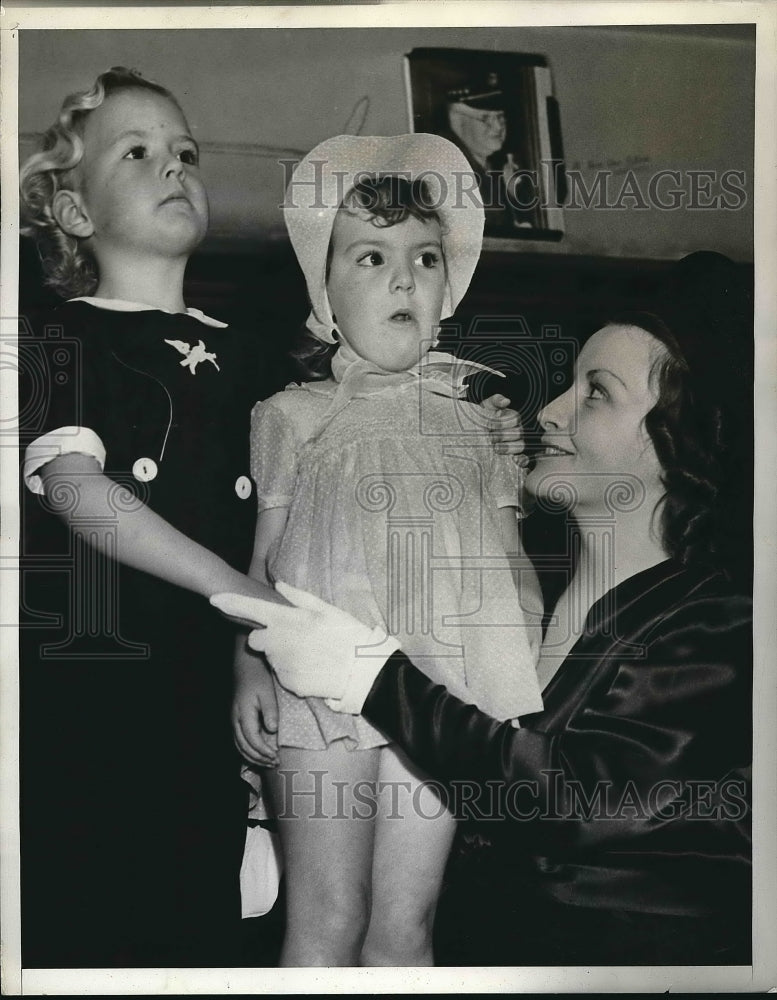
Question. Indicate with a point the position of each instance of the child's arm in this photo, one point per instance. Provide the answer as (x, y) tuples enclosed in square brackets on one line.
[(254, 704), (78, 491), (506, 427), (524, 575), (505, 477)]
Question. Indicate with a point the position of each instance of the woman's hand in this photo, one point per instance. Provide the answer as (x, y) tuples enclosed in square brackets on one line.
[(314, 648), (506, 429)]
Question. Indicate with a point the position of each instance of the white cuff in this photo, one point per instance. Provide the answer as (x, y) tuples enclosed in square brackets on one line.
[(510, 501), (62, 441), (365, 667)]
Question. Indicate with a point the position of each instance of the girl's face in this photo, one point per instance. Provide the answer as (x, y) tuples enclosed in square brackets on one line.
[(594, 433), (386, 287), (139, 179)]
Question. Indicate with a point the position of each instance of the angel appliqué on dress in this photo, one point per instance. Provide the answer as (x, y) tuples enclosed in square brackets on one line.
[(193, 355)]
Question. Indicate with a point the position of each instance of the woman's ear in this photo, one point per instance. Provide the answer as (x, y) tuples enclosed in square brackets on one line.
[(69, 209)]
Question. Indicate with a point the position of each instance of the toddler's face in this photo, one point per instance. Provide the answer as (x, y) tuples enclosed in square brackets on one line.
[(386, 286), (139, 178)]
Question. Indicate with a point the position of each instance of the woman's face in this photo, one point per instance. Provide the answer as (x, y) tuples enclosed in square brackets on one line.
[(594, 434)]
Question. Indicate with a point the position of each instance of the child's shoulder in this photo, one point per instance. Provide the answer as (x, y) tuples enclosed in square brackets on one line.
[(85, 335), (299, 403), (302, 394), (79, 314)]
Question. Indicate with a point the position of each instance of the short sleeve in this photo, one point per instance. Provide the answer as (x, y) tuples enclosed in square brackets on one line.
[(505, 482), (274, 455), (65, 440), (61, 402)]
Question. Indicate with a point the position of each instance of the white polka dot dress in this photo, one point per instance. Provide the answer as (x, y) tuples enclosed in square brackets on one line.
[(393, 518)]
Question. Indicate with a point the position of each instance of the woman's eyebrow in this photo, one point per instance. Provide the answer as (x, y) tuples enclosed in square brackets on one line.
[(593, 372)]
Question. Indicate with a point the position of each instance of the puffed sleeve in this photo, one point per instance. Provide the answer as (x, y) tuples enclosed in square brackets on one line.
[(505, 481), (274, 455), (62, 403), (646, 728)]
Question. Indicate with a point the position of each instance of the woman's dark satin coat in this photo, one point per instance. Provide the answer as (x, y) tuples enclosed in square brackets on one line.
[(630, 790)]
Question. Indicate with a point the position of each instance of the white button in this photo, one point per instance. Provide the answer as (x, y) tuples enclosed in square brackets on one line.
[(243, 487), (144, 470)]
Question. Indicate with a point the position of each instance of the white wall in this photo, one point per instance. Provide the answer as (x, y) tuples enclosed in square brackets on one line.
[(656, 98)]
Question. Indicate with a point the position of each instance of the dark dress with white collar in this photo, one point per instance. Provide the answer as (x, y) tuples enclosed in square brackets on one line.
[(133, 814)]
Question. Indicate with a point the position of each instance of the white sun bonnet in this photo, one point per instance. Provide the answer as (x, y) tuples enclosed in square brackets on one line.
[(323, 178)]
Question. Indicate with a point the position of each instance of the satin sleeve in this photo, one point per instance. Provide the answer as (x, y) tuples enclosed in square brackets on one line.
[(641, 731)]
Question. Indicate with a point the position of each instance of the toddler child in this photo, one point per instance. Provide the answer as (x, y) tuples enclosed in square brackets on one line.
[(379, 492)]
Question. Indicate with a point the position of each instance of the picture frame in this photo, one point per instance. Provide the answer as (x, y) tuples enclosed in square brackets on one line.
[(499, 109)]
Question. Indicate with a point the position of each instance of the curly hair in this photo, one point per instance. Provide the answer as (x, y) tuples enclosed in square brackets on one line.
[(388, 199), (68, 266), (687, 426)]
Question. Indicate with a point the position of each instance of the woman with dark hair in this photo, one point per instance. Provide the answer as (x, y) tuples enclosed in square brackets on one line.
[(625, 800)]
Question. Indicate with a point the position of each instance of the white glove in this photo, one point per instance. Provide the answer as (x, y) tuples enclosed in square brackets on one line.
[(316, 650)]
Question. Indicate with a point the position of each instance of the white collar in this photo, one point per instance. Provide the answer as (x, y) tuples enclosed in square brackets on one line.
[(123, 305)]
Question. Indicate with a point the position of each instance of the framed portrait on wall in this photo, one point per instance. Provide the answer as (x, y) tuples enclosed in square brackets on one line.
[(499, 109)]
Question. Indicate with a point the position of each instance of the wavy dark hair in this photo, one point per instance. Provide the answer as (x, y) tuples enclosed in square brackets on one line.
[(68, 266), (688, 429), (389, 199)]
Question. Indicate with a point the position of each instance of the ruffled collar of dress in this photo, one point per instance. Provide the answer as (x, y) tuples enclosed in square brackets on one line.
[(359, 377), (355, 377)]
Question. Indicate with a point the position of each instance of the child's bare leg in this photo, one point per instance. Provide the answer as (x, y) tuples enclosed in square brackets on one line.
[(408, 866), (327, 843)]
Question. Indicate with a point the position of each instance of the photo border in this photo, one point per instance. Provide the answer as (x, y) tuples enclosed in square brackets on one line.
[(763, 976)]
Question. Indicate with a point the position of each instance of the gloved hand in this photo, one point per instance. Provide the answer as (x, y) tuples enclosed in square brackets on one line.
[(315, 649)]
